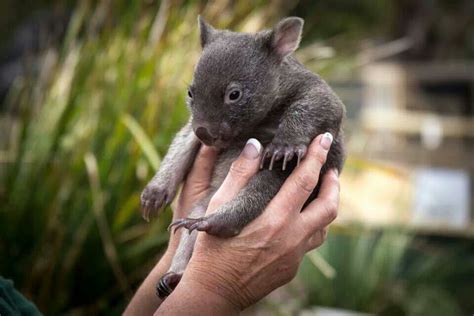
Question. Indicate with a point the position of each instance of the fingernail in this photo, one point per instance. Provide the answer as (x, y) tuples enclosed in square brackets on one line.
[(252, 149), (326, 141)]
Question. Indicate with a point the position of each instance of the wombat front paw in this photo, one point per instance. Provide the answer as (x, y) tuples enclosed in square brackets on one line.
[(214, 224), (154, 197), (277, 151)]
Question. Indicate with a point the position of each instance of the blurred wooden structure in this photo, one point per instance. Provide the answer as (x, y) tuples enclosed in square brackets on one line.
[(416, 118), (420, 113)]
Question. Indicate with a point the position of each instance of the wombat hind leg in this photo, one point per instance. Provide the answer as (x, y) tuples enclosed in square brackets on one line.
[(170, 280)]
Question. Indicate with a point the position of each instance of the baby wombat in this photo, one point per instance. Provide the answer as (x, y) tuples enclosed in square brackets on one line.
[(245, 85)]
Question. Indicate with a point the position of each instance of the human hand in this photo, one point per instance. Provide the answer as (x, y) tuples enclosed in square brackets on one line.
[(196, 185), (231, 274)]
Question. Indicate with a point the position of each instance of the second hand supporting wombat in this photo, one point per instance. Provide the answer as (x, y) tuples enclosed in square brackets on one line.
[(244, 85)]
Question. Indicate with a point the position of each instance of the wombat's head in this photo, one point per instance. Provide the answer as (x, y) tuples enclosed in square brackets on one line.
[(236, 79)]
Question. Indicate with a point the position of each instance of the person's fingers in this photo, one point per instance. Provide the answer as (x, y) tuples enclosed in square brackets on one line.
[(302, 181), (317, 239), (200, 174), (323, 210), (197, 182), (240, 173)]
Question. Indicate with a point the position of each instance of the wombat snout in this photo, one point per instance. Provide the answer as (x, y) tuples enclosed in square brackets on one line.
[(203, 134), (209, 136)]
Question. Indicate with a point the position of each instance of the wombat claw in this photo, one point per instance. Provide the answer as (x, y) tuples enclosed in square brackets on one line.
[(190, 224), (154, 198), (277, 152)]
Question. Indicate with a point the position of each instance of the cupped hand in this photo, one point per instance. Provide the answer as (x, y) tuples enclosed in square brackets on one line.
[(231, 274)]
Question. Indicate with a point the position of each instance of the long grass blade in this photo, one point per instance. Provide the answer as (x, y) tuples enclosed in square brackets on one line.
[(321, 264), (98, 209), (143, 140)]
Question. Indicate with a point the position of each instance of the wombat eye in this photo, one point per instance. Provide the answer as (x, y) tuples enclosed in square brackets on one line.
[(190, 94), (234, 95)]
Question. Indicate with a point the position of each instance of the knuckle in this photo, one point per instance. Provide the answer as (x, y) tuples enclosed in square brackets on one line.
[(216, 201), (276, 224), (331, 209), (334, 180), (238, 169), (315, 241), (324, 234), (280, 222), (321, 157), (320, 237), (318, 153), (305, 181)]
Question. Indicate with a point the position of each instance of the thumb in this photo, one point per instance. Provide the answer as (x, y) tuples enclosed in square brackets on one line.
[(240, 172)]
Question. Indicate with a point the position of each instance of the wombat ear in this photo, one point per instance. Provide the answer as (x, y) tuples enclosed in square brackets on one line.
[(286, 36), (206, 31)]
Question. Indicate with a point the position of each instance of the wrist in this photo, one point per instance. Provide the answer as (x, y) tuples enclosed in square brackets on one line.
[(212, 293), (219, 280), (190, 297)]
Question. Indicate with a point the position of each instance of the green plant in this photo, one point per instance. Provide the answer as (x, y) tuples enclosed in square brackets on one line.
[(86, 132), (387, 272)]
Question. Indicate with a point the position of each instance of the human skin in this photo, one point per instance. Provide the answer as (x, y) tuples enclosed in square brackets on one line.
[(225, 276), (145, 301)]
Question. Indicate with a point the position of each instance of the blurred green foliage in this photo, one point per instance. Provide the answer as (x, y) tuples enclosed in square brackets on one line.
[(86, 128), (76, 162), (390, 272)]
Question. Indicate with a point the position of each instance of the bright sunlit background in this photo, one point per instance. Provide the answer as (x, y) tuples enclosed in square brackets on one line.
[(92, 92)]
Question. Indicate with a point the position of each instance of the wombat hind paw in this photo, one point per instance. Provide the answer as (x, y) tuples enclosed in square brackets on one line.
[(216, 224), (167, 284), (190, 224), (277, 151)]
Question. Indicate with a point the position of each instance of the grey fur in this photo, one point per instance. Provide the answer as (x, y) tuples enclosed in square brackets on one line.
[(279, 102), (162, 188)]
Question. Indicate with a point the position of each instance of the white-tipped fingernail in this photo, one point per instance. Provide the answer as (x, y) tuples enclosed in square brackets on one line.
[(252, 149), (326, 140)]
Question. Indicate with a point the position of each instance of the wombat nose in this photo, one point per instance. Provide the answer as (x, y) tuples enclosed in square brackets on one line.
[(203, 134)]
